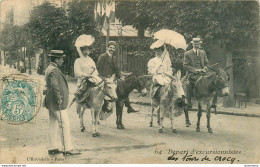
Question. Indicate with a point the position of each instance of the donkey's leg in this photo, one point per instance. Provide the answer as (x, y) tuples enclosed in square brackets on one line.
[(93, 123), (151, 122), (208, 117), (199, 116), (80, 111), (162, 111), (119, 112), (97, 112), (187, 120), (172, 117), (158, 116)]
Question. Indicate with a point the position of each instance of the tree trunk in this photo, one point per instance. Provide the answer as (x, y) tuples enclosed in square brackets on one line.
[(18, 60), (229, 100), (140, 32), (45, 60), (0, 57), (4, 59), (29, 58), (10, 59)]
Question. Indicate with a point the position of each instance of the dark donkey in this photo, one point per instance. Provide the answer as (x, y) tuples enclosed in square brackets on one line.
[(206, 88), (124, 88)]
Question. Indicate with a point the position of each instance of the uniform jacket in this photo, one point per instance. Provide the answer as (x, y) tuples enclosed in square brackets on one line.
[(107, 66), (190, 60), (57, 88)]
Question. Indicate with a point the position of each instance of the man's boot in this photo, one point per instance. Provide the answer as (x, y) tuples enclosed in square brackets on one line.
[(129, 107), (105, 107)]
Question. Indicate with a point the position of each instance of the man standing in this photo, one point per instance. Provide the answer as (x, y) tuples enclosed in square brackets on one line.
[(195, 62), (107, 66), (56, 101)]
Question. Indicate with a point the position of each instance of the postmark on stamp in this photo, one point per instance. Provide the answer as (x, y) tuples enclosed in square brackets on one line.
[(20, 99)]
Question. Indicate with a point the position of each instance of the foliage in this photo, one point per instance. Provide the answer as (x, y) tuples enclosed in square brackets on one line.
[(10, 37), (46, 24), (226, 22)]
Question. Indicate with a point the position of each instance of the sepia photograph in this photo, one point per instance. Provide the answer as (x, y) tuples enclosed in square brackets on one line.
[(130, 82)]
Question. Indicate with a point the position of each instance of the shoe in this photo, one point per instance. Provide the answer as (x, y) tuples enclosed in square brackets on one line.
[(72, 152), (131, 110), (54, 151)]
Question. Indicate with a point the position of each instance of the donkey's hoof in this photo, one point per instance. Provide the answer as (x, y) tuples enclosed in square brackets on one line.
[(122, 126), (82, 129), (151, 124), (119, 126), (161, 130), (97, 134), (94, 134), (174, 131), (210, 130), (187, 124), (198, 129), (98, 123)]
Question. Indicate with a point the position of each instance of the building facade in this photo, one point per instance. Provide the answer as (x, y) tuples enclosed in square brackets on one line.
[(18, 11)]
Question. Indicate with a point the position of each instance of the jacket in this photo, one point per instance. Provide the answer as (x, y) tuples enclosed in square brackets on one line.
[(57, 89), (190, 60), (107, 67)]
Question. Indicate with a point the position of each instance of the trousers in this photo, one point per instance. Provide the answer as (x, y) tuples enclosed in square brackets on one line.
[(59, 118)]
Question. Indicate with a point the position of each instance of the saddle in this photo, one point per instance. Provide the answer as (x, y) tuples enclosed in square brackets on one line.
[(83, 90)]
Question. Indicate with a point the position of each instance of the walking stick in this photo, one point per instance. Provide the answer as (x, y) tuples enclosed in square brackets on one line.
[(62, 133)]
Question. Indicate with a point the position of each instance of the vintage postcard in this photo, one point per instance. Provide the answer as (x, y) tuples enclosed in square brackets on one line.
[(129, 82)]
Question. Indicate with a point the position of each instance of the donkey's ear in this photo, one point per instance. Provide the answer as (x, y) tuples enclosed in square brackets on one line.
[(113, 77), (228, 67), (178, 75)]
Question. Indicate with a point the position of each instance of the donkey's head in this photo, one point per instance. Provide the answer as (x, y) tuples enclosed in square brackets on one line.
[(176, 86), (222, 82), (140, 84), (110, 88)]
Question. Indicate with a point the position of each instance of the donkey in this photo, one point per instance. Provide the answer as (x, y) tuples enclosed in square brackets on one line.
[(167, 101), (124, 88), (207, 88), (95, 101)]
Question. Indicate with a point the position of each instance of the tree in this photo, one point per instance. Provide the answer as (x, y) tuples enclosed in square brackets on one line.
[(231, 24), (224, 21), (80, 21), (10, 42), (47, 23)]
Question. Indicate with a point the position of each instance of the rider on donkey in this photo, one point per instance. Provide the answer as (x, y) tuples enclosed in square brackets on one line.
[(85, 67), (107, 66), (195, 62), (160, 66)]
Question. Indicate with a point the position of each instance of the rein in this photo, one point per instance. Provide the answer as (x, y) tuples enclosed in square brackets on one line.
[(105, 93)]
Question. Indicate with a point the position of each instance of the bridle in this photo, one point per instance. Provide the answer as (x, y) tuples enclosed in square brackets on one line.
[(103, 90)]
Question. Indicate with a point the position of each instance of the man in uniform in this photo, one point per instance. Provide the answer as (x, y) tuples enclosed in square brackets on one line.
[(56, 101), (195, 62), (107, 66)]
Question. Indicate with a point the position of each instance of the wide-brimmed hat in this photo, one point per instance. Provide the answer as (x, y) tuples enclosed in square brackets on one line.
[(111, 43), (196, 40), (157, 44), (56, 53), (84, 40)]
